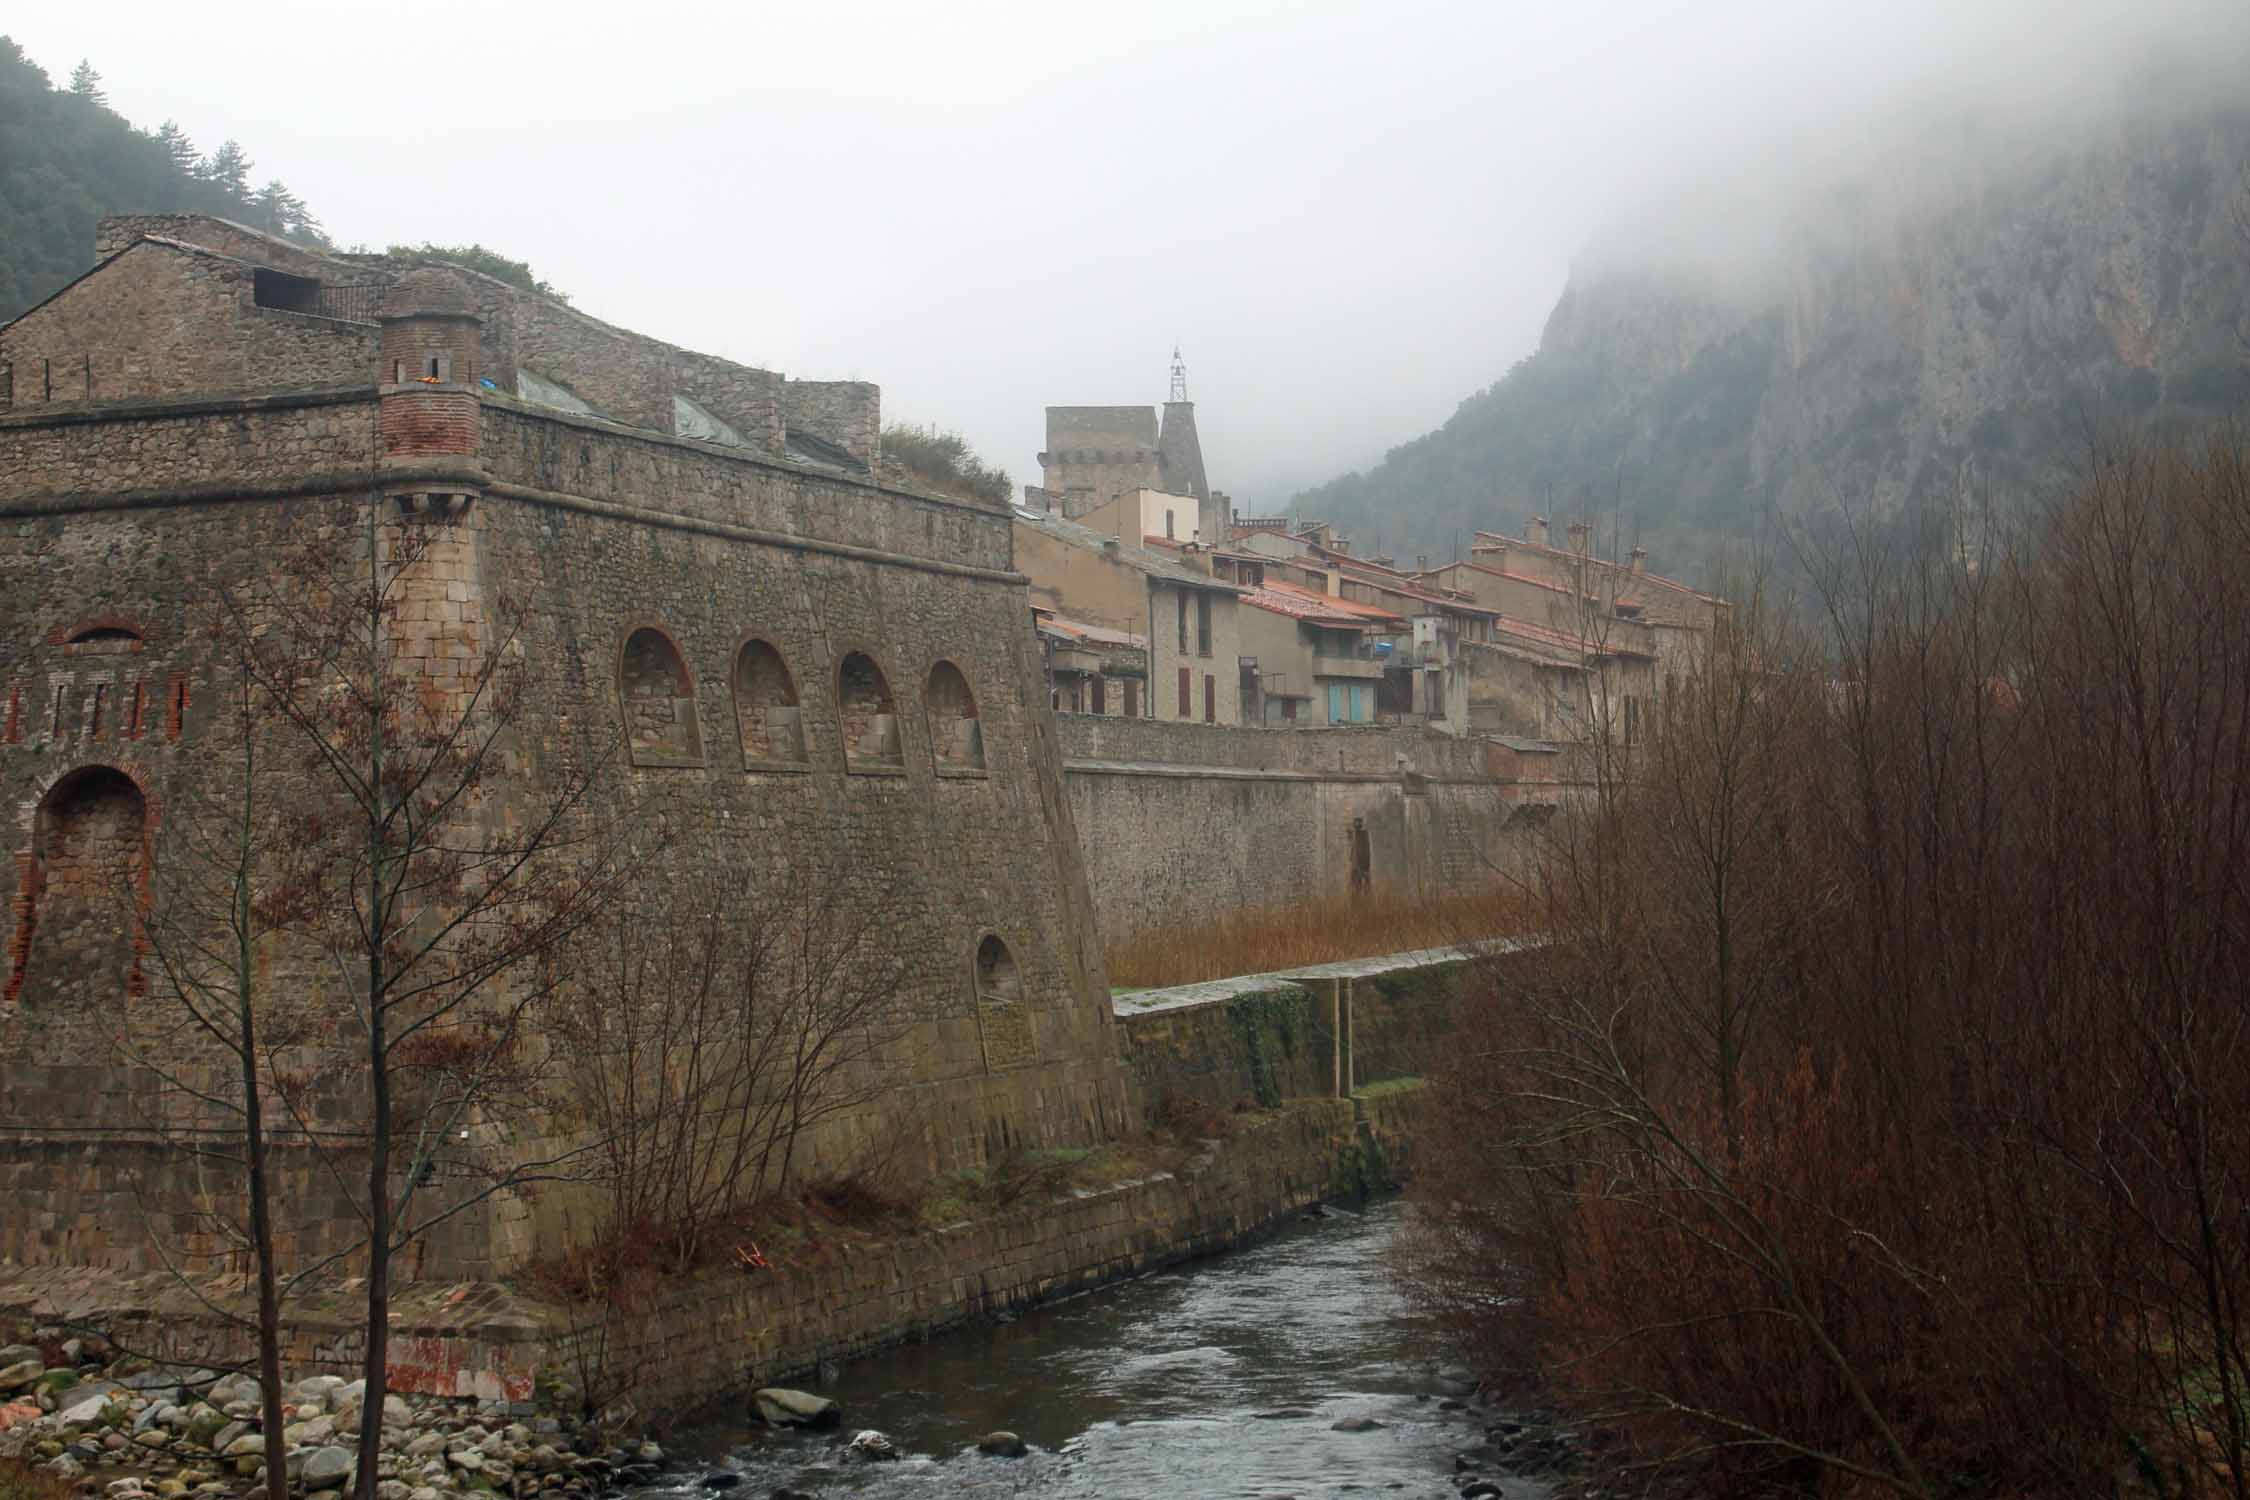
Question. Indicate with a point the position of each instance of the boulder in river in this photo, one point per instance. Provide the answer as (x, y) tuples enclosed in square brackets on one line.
[(1355, 1424), (1001, 1445), (777, 1406), (868, 1443)]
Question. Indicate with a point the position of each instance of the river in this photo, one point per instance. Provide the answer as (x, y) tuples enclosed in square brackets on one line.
[(1218, 1378)]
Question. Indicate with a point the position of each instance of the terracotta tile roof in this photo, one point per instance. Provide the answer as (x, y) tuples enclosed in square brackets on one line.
[(1320, 609)]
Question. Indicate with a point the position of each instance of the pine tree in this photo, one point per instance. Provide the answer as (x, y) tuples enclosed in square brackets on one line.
[(87, 84), (228, 169), (177, 146), (275, 209)]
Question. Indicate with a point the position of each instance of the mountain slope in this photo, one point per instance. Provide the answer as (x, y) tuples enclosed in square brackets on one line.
[(1891, 346), (67, 159)]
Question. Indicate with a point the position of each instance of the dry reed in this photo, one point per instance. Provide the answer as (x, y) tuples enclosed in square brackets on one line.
[(1323, 929)]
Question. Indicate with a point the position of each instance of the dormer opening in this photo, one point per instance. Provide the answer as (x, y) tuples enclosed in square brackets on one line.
[(283, 292)]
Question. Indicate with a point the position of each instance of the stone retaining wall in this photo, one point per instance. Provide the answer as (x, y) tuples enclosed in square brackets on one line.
[(1296, 1043)]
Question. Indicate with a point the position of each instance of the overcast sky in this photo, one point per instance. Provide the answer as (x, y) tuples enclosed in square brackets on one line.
[(1349, 216)]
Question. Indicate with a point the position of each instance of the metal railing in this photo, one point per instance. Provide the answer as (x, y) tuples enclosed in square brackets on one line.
[(348, 304)]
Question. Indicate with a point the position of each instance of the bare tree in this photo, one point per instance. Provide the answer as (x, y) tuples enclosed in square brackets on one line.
[(436, 857)]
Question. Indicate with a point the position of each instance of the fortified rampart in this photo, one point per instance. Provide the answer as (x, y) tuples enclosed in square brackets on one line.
[(830, 681), (1180, 820)]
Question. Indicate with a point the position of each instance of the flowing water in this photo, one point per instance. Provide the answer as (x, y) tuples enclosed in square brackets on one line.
[(1218, 1378)]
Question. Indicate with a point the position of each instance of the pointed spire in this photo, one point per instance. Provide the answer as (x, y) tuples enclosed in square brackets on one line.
[(1179, 376)]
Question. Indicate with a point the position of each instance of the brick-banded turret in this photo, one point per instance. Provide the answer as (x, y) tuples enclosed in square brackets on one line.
[(430, 360)]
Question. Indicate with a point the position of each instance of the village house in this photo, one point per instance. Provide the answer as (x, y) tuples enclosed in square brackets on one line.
[(1181, 620)]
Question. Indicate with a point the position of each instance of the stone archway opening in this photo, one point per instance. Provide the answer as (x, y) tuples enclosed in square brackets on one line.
[(79, 892)]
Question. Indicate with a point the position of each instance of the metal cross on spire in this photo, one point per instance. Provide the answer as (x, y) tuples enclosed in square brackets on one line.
[(1179, 376)]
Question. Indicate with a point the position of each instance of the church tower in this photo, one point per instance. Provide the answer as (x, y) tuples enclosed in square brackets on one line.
[(1179, 456)]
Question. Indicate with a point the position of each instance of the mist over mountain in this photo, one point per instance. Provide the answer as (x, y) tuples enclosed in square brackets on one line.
[(1955, 303)]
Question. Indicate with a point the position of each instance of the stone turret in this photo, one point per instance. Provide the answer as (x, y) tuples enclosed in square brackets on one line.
[(431, 355)]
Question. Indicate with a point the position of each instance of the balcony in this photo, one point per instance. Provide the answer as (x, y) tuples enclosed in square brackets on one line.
[(1360, 665)]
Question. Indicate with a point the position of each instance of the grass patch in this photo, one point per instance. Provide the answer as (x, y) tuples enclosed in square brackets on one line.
[(21, 1480), (1324, 930), (1384, 1087)]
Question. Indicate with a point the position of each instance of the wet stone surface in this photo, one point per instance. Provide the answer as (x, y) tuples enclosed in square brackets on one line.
[(1290, 1369)]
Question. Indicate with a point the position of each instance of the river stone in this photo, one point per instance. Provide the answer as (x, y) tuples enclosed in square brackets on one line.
[(20, 1373), (154, 1437), (86, 1413), (1001, 1445), (327, 1468), (1482, 1489), (1356, 1424), (245, 1445), (777, 1406), (868, 1443), (11, 1353), (467, 1458)]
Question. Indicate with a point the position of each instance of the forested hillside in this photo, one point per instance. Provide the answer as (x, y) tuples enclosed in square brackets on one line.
[(67, 159), (1904, 342)]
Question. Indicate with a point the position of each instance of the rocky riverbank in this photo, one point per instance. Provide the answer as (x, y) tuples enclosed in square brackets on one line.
[(131, 1429)]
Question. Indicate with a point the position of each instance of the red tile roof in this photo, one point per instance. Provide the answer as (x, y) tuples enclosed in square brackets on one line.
[(1320, 609)]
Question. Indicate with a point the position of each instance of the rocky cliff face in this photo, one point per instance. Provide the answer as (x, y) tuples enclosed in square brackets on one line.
[(1898, 341)]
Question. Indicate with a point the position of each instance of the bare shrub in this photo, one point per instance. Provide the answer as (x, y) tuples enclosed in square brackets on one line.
[(1874, 1120)]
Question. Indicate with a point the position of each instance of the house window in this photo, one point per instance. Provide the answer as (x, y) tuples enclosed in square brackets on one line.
[(1101, 696), (1132, 699), (1180, 596), (870, 716), (1202, 624), (659, 696), (1168, 533), (1187, 691), (1210, 699), (1348, 703), (1288, 710), (956, 738), (1632, 718)]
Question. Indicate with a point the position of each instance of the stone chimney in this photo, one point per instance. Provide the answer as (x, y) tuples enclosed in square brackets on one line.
[(1578, 533), (1640, 559), (1535, 531)]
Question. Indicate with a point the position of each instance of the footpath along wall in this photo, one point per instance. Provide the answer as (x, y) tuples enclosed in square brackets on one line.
[(1321, 1062)]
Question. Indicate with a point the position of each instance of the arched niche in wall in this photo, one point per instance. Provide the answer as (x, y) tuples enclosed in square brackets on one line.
[(661, 728), (83, 887), (956, 737), (1003, 1019), (869, 715), (766, 712)]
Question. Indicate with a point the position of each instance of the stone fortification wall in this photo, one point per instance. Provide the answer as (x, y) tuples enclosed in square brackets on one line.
[(115, 522), (164, 321), (88, 457), (116, 234), (848, 413), (662, 476), (625, 376), (1181, 821)]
